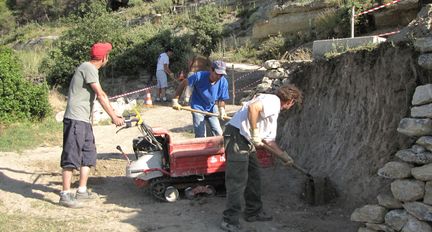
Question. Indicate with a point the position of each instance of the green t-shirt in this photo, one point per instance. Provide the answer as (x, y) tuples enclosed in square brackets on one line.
[(81, 96)]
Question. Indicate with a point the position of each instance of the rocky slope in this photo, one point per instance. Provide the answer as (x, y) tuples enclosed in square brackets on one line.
[(346, 129)]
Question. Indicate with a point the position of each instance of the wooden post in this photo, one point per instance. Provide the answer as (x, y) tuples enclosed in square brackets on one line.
[(233, 85), (352, 21)]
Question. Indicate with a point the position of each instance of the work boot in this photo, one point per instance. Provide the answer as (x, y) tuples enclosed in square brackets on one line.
[(230, 227), (85, 196), (262, 216), (68, 200)]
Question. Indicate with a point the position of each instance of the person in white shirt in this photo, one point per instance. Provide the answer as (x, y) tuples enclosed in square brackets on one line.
[(162, 70), (254, 123)]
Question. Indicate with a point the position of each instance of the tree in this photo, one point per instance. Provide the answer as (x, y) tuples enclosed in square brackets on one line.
[(207, 29), (7, 20)]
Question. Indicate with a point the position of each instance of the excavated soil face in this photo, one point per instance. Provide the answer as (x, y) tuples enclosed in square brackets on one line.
[(346, 129)]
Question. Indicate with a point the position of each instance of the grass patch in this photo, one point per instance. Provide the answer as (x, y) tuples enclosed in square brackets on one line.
[(24, 33), (14, 222), (31, 60), (341, 49), (21, 136)]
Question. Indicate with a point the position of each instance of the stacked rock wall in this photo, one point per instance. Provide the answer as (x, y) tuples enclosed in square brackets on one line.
[(407, 204)]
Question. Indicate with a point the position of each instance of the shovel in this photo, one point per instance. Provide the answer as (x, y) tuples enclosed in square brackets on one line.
[(315, 189), (203, 112)]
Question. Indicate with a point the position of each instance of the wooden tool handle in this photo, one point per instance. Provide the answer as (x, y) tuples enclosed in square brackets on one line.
[(203, 112), (272, 150)]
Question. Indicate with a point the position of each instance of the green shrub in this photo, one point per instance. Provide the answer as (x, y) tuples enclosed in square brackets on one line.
[(145, 53), (42, 10), (163, 6), (19, 98), (134, 48), (207, 29), (7, 20), (333, 23), (272, 48), (92, 24)]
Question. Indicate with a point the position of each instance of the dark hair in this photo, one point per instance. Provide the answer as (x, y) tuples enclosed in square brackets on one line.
[(169, 49), (290, 92)]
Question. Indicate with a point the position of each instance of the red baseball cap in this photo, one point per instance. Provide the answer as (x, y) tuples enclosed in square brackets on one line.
[(100, 50)]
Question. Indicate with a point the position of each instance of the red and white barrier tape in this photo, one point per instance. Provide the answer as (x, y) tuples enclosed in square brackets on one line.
[(247, 74), (377, 8), (388, 33), (130, 93), (150, 87), (247, 86)]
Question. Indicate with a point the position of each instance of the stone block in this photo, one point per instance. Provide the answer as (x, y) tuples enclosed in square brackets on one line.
[(414, 225), (364, 229), (423, 173), (409, 156), (379, 227), (369, 213), (423, 44), (387, 200), (422, 95), (396, 219), (320, 47), (427, 199), (407, 190), (276, 74), (418, 148), (419, 210), (423, 111), (415, 126), (395, 170), (425, 61), (272, 64)]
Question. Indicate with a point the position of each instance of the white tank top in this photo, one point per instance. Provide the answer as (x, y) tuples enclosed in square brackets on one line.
[(267, 121)]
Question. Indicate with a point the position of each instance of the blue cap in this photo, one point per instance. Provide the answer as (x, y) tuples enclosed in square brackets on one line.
[(219, 67)]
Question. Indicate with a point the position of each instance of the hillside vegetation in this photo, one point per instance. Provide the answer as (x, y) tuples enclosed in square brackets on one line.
[(50, 38)]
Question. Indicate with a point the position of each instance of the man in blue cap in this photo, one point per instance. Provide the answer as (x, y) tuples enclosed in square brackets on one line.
[(210, 91)]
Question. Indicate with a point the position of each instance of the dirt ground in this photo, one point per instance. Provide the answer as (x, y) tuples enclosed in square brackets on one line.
[(30, 184)]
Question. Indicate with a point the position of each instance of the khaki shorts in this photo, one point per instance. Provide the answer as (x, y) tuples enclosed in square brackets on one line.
[(162, 81)]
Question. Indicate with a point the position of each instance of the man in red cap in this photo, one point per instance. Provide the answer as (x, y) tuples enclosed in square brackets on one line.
[(79, 150)]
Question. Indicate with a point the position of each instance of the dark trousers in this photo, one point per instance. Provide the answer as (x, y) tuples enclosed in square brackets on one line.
[(242, 176)]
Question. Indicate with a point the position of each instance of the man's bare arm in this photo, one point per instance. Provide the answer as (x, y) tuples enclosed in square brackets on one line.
[(180, 89), (221, 103), (167, 70), (254, 110)]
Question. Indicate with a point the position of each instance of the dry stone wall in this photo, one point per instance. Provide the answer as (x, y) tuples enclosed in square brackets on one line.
[(407, 207)]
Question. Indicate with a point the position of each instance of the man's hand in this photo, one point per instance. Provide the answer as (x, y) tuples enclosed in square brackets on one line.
[(175, 104), (256, 138), (286, 159), (118, 120), (222, 113)]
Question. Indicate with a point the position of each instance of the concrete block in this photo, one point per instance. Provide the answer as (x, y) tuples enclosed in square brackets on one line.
[(320, 47)]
